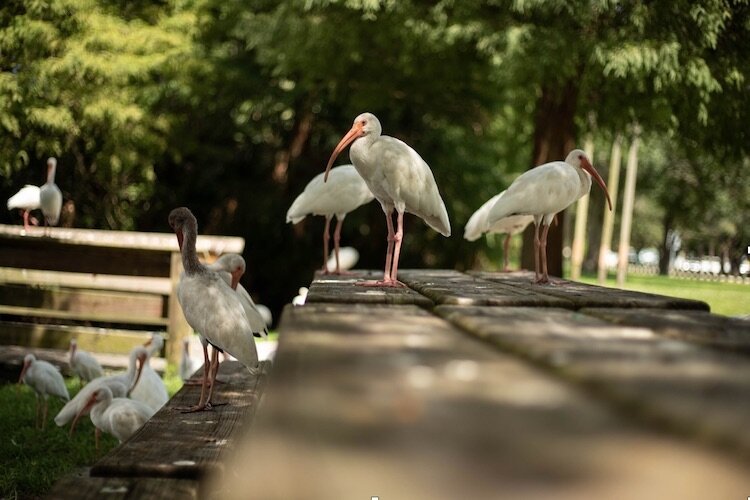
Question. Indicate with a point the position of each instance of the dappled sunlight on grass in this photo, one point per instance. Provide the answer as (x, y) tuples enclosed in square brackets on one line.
[(730, 299)]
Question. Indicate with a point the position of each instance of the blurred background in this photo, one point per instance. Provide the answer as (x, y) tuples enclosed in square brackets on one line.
[(230, 107)]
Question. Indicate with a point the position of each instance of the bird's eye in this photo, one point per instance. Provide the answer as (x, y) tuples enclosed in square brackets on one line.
[(363, 122)]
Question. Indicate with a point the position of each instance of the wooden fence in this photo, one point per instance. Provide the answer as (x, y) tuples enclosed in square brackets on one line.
[(108, 289)]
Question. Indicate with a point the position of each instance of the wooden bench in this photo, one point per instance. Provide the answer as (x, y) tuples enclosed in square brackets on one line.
[(492, 387), (108, 289), (174, 451)]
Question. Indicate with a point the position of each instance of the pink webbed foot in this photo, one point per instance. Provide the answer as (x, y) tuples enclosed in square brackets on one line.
[(382, 284)]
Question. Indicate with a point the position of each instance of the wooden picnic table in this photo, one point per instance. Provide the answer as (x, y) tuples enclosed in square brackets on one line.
[(484, 385), (463, 385)]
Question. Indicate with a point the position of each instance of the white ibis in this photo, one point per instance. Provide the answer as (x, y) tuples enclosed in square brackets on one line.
[(120, 417), (118, 384), (149, 387), (25, 200), (544, 191), (343, 191), (231, 267), (348, 257), (188, 365), (211, 307), (400, 180), (301, 297), (508, 226), (83, 363), (46, 381), (50, 197)]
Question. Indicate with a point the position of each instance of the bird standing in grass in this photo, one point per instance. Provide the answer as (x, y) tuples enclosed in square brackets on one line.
[(46, 381), (84, 364), (120, 417)]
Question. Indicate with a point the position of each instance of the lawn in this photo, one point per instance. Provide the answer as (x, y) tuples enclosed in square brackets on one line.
[(730, 299), (32, 460)]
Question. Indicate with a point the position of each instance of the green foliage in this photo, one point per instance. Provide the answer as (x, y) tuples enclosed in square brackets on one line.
[(230, 107)]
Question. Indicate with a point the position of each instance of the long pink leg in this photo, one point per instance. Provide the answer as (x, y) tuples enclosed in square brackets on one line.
[(545, 277), (399, 236), (506, 247), (206, 367), (214, 371), (326, 238), (391, 244), (336, 239), (26, 220), (44, 415), (536, 251)]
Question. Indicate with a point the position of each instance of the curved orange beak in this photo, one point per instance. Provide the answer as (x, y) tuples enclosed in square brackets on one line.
[(353, 134), (89, 403), (139, 372), (588, 167)]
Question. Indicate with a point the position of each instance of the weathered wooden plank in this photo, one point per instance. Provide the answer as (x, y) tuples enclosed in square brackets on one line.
[(344, 289), (59, 336), (132, 240), (30, 254), (33, 312), (391, 401), (704, 393), (81, 487), (585, 295), (692, 326), (143, 308), (454, 288), (34, 277), (188, 445)]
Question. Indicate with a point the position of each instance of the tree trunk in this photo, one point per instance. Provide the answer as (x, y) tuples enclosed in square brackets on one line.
[(666, 248), (554, 138), (628, 202), (615, 160)]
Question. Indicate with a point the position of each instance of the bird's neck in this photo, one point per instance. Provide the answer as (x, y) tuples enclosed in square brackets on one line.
[(359, 152), (585, 179), (189, 254), (51, 174)]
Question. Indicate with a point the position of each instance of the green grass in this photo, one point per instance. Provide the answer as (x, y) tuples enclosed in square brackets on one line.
[(33, 460), (730, 299)]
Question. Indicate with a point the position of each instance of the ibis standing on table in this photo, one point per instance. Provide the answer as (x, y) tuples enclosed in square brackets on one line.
[(231, 267), (211, 307), (400, 180), (50, 197), (542, 192), (46, 381), (508, 226), (343, 191)]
